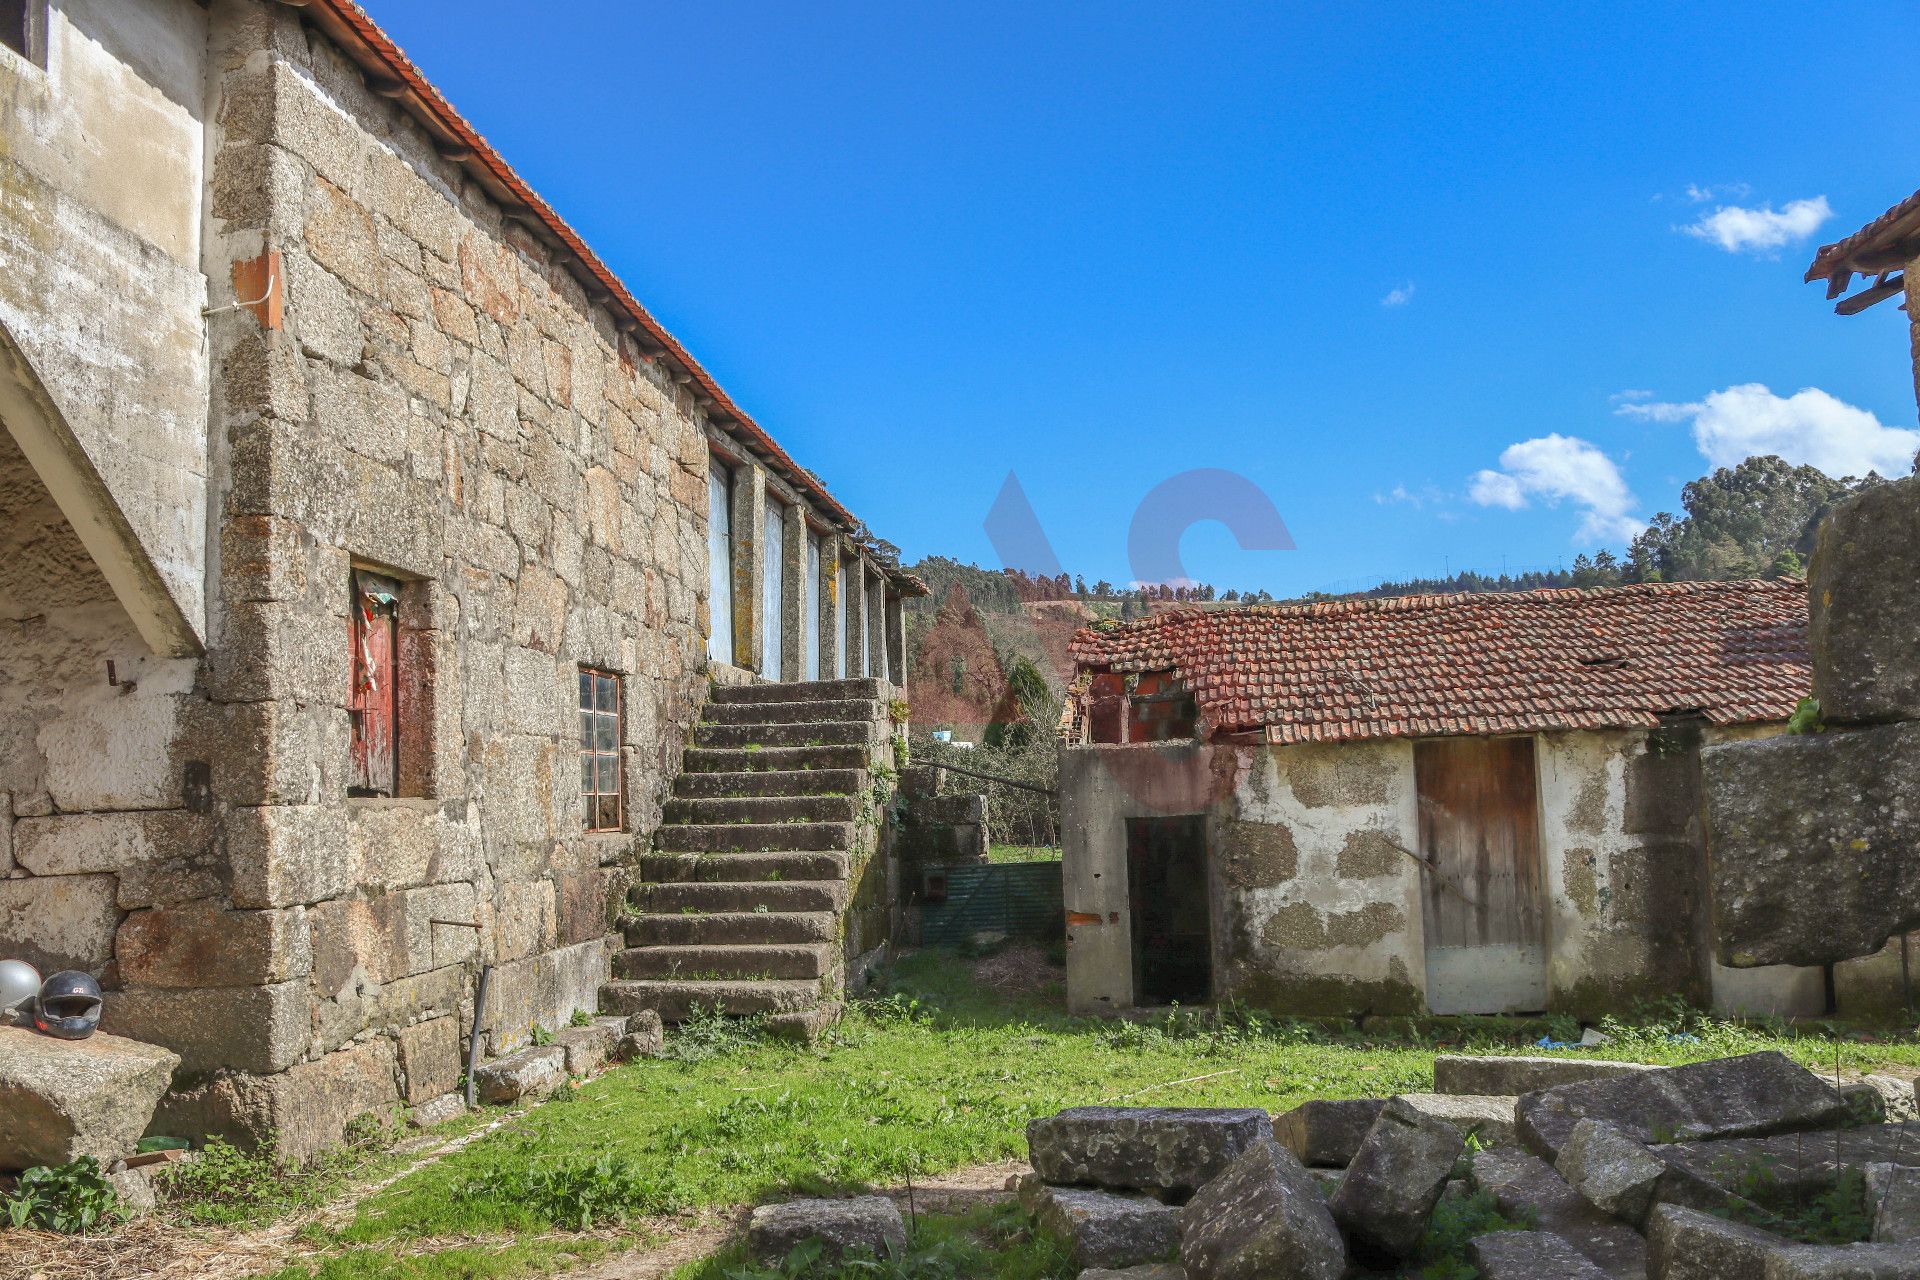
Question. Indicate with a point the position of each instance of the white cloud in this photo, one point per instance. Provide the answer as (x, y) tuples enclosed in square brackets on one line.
[(1809, 427), (1399, 297), (1496, 489), (1558, 468), (1630, 394), (1659, 411), (1418, 500), (1760, 230), (1727, 191)]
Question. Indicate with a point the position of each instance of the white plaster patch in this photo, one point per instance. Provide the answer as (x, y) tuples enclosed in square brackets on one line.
[(1264, 793)]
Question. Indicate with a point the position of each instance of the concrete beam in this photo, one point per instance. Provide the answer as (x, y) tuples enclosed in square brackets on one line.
[(56, 455)]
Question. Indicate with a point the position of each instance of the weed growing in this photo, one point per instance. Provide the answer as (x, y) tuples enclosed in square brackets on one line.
[(706, 1035), (1456, 1221), (227, 1186), (1836, 1214), (73, 1199), (574, 1195)]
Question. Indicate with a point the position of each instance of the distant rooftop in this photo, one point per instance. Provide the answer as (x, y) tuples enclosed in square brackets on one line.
[(1520, 662)]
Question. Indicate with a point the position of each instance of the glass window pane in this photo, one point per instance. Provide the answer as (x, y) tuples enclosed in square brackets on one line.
[(609, 694), (586, 690), (586, 775), (586, 730), (609, 813), (608, 736), (609, 774)]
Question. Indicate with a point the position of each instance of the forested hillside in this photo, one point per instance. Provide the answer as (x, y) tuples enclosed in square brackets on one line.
[(1755, 520)]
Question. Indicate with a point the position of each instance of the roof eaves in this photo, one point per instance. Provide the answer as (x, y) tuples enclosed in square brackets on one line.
[(1886, 243)]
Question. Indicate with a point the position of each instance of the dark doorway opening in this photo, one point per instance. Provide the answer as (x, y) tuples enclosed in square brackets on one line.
[(1167, 898)]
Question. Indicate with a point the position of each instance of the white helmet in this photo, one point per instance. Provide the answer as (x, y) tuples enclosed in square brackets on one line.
[(19, 983)]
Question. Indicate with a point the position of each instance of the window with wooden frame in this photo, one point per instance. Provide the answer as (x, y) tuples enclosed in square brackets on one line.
[(601, 774), (373, 699)]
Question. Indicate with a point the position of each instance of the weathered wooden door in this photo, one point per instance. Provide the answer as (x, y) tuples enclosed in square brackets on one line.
[(1485, 910), (373, 700)]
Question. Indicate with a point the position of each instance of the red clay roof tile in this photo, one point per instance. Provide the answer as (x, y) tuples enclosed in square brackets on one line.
[(1525, 662)]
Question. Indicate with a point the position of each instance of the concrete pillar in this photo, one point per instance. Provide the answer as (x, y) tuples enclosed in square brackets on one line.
[(876, 621), (856, 612), (749, 563), (831, 642), (793, 584), (896, 641)]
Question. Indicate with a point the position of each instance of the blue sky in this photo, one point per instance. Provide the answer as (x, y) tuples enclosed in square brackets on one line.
[(1421, 273)]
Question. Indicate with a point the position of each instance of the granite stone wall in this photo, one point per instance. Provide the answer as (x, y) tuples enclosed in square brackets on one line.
[(434, 397)]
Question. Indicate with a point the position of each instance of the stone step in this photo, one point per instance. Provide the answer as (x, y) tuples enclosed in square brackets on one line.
[(772, 895), (805, 1025), (832, 733), (752, 837), (762, 809), (730, 928), (861, 709), (743, 868), (775, 759), (675, 1000), (798, 691), (701, 963), (770, 783)]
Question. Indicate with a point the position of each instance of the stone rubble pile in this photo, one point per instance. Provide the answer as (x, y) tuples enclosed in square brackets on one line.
[(1616, 1171)]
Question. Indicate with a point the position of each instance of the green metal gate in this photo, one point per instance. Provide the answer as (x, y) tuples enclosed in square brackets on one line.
[(1018, 899)]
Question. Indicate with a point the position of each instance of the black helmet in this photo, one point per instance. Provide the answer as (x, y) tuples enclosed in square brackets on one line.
[(68, 1007)]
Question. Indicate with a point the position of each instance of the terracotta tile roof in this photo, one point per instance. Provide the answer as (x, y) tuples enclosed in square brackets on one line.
[(1887, 242), (1416, 666)]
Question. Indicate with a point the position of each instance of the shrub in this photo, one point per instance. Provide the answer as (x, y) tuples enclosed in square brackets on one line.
[(69, 1198)]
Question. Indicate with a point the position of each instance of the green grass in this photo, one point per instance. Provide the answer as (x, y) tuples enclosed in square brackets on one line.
[(226, 1186), (946, 1076), (992, 1242), (937, 1075), (1023, 853), (504, 1261)]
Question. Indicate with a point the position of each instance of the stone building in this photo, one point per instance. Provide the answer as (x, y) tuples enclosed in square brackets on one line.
[(369, 554), (1817, 839), (1448, 804)]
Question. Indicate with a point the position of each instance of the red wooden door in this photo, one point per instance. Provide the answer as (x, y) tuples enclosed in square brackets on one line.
[(373, 698)]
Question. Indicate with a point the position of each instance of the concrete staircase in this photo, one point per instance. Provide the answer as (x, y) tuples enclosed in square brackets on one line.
[(741, 904)]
